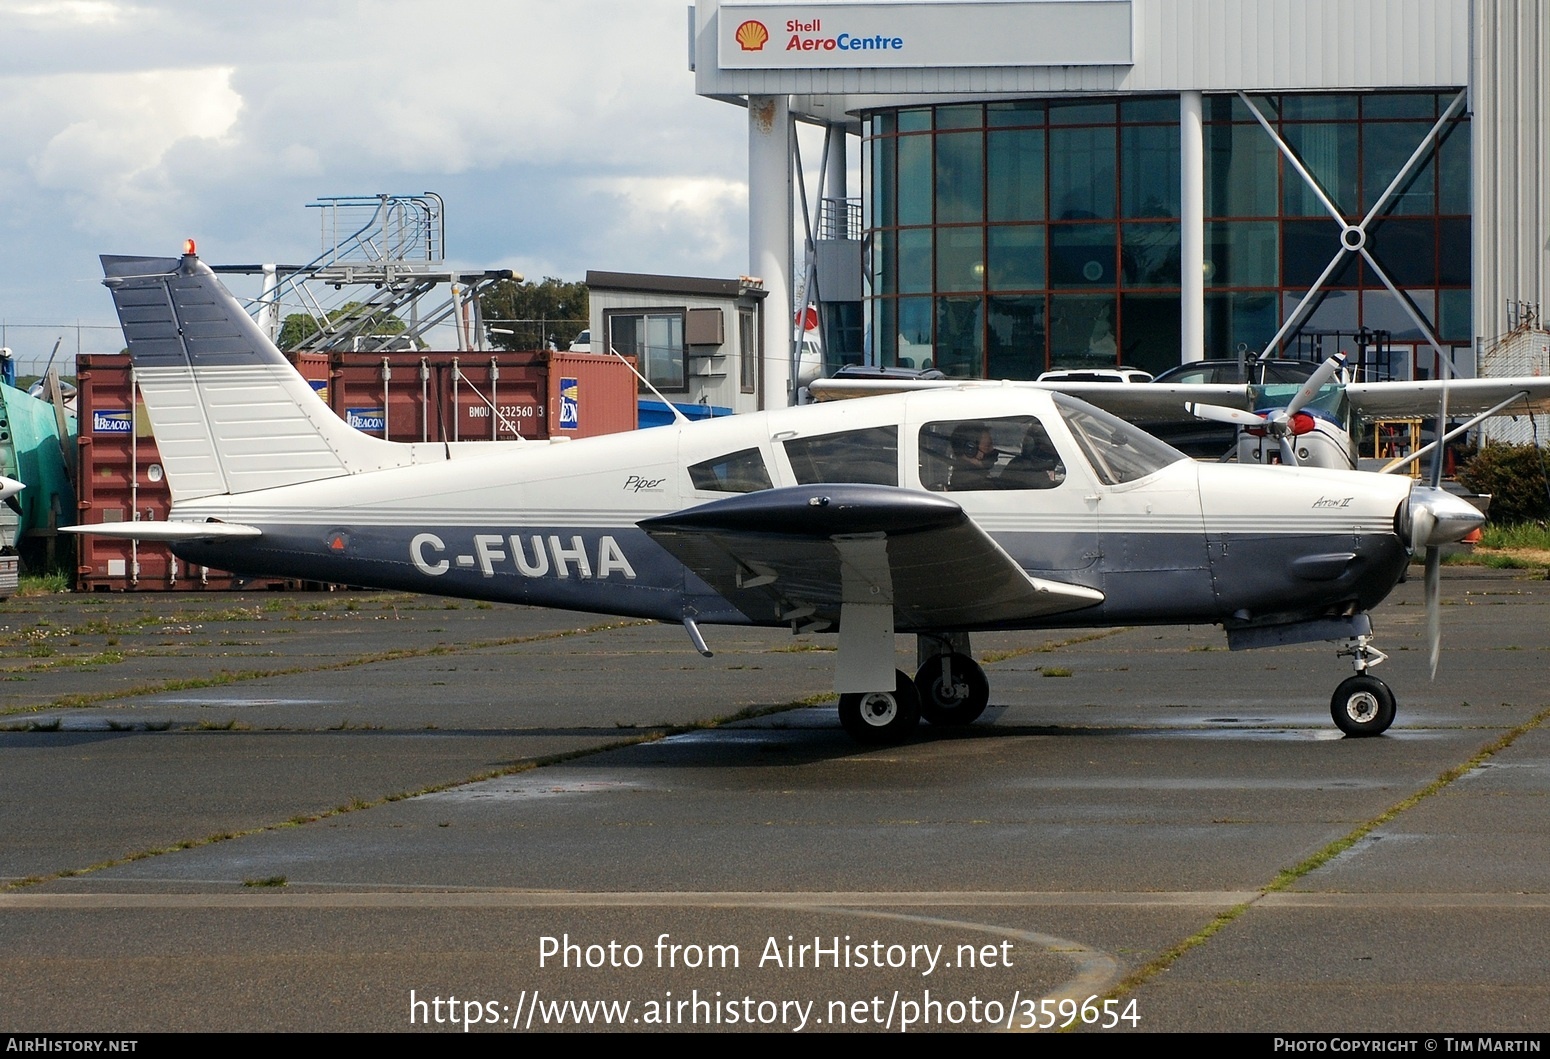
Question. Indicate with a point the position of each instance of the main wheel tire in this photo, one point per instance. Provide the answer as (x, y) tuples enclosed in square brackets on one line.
[(1362, 706), (960, 703), (876, 717)]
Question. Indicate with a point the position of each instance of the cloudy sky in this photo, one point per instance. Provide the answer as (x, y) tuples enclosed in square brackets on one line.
[(563, 136)]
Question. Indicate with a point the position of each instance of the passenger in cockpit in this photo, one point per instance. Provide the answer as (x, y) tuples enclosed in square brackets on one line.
[(1037, 466)]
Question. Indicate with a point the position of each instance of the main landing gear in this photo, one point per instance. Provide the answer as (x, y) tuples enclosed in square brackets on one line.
[(950, 690), (1362, 705), (953, 689), (875, 717)]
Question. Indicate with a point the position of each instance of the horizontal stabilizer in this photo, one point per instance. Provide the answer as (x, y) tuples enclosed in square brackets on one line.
[(168, 531)]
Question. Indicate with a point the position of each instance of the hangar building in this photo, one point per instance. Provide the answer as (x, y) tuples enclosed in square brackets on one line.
[(1052, 183)]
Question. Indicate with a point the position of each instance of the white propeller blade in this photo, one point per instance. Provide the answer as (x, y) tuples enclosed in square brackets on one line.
[(1217, 413), (1437, 517), (1315, 383)]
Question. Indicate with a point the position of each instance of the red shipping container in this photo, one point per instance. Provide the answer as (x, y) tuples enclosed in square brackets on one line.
[(462, 396), (121, 480), (421, 396)]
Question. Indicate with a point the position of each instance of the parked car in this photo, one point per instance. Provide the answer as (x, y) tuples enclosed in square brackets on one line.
[(1096, 375)]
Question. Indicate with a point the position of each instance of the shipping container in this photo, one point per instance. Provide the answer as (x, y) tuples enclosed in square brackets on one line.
[(403, 396), (501, 396), (121, 480)]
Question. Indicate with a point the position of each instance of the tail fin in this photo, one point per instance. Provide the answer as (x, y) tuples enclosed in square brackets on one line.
[(230, 414)]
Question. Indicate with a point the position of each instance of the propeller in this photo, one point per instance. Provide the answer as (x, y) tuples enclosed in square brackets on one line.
[(1437, 517), (1284, 423), (1434, 550)]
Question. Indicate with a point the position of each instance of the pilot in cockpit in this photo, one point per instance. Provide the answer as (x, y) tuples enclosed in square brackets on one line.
[(974, 457)]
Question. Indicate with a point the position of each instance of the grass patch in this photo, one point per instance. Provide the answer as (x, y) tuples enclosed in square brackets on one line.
[(42, 584), (1054, 671), (272, 880), (229, 725), (1048, 646), (76, 701), (1534, 535)]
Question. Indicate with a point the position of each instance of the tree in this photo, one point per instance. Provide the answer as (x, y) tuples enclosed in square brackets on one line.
[(1515, 477), (524, 315), (299, 327)]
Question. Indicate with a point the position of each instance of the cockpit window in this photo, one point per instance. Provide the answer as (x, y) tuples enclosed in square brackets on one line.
[(974, 454), (866, 457), (736, 472), (1117, 451)]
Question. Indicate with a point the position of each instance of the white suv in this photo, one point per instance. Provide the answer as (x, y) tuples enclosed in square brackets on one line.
[(1096, 375)]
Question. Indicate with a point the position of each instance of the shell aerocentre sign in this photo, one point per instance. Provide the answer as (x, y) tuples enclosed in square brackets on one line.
[(819, 36)]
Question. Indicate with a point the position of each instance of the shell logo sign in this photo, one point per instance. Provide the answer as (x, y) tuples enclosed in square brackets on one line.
[(752, 35)]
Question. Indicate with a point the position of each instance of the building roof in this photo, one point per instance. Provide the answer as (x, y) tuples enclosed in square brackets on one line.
[(743, 286)]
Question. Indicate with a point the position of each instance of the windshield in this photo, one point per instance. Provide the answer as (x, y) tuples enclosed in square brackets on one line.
[(1331, 399), (1118, 451)]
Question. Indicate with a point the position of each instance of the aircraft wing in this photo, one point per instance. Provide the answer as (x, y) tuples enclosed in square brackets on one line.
[(1137, 402), (797, 554), (1376, 400)]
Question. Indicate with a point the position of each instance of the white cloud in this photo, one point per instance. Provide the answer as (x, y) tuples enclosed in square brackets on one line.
[(120, 127), (707, 216), (64, 12), (564, 136)]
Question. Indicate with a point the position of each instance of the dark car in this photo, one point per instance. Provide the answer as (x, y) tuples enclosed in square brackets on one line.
[(1268, 372)]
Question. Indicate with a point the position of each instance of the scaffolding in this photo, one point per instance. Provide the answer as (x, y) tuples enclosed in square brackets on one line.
[(389, 253)]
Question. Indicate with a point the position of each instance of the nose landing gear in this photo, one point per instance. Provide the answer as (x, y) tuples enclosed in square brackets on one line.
[(1362, 705)]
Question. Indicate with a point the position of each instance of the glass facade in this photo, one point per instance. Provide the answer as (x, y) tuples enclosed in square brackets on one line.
[(1011, 237)]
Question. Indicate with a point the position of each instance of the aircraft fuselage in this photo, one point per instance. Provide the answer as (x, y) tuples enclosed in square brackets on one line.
[(556, 525)]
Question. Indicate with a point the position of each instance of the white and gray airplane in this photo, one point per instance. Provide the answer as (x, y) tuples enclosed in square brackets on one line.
[(938, 514), (1312, 424)]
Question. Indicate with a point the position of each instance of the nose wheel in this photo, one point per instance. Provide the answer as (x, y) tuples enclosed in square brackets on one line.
[(1362, 705)]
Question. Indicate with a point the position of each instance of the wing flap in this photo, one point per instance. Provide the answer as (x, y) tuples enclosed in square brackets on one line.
[(799, 554)]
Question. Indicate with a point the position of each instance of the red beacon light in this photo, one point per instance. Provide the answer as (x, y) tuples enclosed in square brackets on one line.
[(188, 248)]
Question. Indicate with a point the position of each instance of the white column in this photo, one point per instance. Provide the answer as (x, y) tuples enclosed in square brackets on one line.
[(1192, 229), (268, 318), (770, 230), (835, 174)]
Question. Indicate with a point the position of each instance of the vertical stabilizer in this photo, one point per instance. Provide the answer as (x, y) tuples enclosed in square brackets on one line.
[(230, 414)]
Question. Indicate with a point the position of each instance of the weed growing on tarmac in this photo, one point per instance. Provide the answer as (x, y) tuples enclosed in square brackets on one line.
[(1289, 876), (272, 880), (1047, 647), (221, 679)]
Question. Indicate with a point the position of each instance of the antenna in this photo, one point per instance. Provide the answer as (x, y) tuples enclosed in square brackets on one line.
[(678, 416)]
